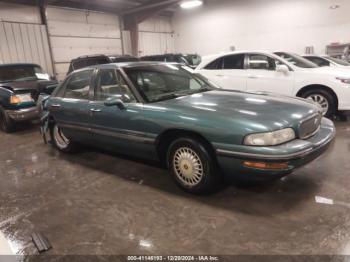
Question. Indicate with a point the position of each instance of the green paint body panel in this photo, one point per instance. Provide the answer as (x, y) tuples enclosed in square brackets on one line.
[(222, 117)]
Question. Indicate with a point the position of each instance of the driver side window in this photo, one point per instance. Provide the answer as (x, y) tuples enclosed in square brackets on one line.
[(78, 85), (110, 84)]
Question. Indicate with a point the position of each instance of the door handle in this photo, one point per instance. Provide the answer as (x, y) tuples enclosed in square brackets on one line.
[(220, 75), (253, 77), (94, 110), (56, 105)]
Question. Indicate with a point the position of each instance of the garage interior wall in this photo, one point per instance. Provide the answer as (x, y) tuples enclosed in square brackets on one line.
[(156, 36), (23, 39), (76, 33), (255, 24)]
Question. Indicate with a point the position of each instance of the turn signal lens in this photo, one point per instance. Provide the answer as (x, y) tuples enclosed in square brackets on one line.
[(15, 100), (262, 165)]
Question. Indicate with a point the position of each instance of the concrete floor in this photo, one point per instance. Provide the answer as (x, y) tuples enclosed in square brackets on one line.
[(101, 203)]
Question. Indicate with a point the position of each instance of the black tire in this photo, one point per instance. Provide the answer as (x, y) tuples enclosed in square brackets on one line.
[(6, 123), (210, 180), (56, 135), (327, 95)]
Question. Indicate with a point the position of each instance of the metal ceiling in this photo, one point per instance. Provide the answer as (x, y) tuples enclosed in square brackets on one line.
[(112, 6)]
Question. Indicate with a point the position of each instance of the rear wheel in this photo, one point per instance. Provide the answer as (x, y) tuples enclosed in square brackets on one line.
[(192, 166), (324, 99), (60, 141), (6, 123)]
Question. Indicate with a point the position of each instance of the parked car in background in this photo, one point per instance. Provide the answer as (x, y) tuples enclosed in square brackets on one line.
[(190, 60), (203, 134), (282, 73), (89, 60), (325, 60), (20, 86)]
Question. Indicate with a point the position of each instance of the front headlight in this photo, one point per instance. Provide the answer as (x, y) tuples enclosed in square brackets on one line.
[(344, 80), (270, 138), (21, 98)]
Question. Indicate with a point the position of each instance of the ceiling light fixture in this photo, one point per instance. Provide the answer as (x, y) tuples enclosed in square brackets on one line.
[(191, 4), (334, 6)]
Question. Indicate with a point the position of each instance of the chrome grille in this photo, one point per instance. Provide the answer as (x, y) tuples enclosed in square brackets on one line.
[(310, 126)]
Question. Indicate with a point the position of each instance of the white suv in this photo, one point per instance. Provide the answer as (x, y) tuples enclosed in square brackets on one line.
[(283, 73)]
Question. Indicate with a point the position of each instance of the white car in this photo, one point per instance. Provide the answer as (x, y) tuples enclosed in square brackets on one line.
[(324, 60), (282, 73)]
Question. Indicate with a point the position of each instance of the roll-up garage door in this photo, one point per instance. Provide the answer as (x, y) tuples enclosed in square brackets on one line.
[(25, 43)]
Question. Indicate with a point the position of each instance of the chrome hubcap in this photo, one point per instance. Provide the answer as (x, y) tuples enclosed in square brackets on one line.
[(321, 101), (188, 166), (61, 140)]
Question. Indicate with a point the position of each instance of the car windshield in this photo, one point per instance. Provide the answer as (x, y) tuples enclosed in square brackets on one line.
[(296, 60), (13, 73), (338, 61), (163, 82)]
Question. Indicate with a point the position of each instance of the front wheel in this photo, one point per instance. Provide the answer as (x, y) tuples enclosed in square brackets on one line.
[(324, 99), (192, 166), (60, 141)]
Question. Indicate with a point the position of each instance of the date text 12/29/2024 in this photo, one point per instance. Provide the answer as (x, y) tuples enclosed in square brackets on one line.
[(173, 258)]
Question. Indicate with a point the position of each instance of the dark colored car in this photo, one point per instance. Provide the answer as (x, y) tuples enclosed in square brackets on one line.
[(85, 61), (204, 134), (190, 60), (20, 86)]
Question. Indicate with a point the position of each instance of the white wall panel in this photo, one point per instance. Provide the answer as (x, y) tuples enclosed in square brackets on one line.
[(65, 49), (76, 33), (19, 13), (289, 25), (156, 36), (155, 43), (24, 43), (60, 28), (156, 24)]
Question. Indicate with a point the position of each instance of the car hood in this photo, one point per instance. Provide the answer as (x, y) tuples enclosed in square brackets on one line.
[(35, 85), (254, 112)]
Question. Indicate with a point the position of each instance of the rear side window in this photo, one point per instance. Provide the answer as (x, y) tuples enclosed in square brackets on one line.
[(215, 65), (234, 62), (78, 85)]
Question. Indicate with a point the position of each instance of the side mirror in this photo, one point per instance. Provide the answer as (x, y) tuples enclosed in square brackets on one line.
[(115, 102), (282, 69)]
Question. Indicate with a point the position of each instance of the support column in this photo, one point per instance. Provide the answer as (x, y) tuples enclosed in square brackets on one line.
[(42, 4)]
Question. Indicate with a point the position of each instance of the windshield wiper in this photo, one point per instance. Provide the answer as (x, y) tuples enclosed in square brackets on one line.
[(166, 97)]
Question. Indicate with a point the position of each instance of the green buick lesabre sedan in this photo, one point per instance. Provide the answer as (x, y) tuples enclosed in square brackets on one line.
[(204, 134)]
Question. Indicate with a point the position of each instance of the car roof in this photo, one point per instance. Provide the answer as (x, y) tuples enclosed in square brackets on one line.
[(127, 65), (19, 64), (100, 55), (171, 54)]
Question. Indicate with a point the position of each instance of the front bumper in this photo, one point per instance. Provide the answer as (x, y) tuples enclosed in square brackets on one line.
[(297, 153), (25, 114)]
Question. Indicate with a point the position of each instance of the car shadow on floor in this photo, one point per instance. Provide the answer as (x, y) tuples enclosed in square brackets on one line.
[(26, 128), (260, 199)]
